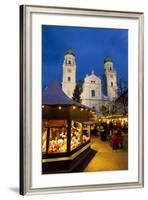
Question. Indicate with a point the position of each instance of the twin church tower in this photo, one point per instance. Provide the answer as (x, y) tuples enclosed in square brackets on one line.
[(96, 92)]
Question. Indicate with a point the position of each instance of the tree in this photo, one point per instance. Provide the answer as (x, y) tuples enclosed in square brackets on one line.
[(122, 101), (77, 92), (122, 86), (104, 110)]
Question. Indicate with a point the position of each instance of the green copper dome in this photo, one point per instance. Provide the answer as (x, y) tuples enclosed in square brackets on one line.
[(70, 52), (108, 59)]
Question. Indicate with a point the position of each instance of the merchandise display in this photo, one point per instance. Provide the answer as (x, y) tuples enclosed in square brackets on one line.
[(79, 134), (57, 140), (57, 143), (44, 139), (85, 133), (76, 134), (58, 146)]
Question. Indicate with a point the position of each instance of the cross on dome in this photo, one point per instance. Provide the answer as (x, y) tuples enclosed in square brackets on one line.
[(93, 72)]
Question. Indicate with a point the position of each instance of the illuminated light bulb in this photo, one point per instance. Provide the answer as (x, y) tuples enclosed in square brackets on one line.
[(60, 107), (82, 109), (42, 106), (74, 107)]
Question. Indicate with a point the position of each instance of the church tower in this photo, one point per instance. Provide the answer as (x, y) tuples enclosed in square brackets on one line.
[(69, 73), (110, 79)]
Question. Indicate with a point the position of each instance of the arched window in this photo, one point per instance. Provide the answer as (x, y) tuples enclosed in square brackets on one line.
[(69, 62), (111, 84), (69, 79)]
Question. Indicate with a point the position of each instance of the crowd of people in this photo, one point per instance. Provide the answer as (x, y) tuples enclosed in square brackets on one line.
[(115, 134)]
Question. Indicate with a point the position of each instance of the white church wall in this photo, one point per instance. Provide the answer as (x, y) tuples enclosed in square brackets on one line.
[(91, 94)]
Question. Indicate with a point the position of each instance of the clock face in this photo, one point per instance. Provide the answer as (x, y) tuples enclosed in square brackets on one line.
[(69, 70)]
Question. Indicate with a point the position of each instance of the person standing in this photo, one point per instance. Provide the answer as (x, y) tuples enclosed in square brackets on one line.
[(120, 140), (101, 130), (114, 140)]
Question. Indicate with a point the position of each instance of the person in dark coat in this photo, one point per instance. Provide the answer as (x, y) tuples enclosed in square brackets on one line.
[(95, 130), (114, 139), (120, 140), (101, 130)]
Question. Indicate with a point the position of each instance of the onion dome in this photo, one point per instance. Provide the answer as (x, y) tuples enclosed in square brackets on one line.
[(108, 59), (69, 52)]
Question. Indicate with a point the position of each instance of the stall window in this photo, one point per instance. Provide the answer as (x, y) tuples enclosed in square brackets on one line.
[(44, 140), (85, 133), (76, 134), (80, 134), (57, 138)]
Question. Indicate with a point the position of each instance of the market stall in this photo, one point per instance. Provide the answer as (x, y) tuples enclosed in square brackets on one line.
[(115, 129), (121, 120), (65, 135)]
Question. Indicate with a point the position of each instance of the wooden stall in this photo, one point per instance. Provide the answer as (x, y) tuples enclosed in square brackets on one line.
[(65, 136)]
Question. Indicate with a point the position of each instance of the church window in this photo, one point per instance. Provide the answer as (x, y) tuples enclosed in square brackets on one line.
[(69, 79), (92, 81), (111, 84), (93, 93), (69, 62)]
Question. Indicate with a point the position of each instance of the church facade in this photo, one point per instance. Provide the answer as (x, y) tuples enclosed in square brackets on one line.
[(95, 91)]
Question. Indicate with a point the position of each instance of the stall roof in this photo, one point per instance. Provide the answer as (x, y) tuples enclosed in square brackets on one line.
[(54, 95)]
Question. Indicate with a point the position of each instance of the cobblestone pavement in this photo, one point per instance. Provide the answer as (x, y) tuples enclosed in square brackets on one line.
[(106, 159)]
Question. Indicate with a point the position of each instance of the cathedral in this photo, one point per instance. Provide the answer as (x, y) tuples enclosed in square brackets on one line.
[(96, 92)]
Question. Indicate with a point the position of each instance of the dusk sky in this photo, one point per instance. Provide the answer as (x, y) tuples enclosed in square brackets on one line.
[(90, 45)]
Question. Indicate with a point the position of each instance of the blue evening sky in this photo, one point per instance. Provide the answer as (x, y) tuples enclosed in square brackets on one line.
[(90, 45)]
